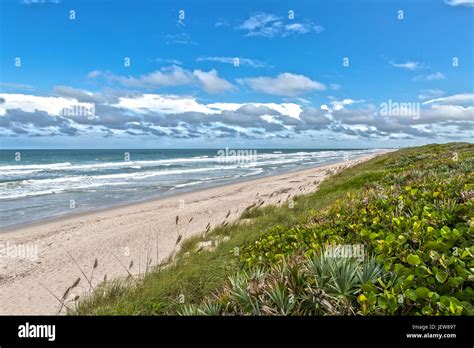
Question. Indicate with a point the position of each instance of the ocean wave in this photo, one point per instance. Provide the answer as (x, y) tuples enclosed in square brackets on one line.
[(34, 166), (32, 182), (68, 166), (32, 187)]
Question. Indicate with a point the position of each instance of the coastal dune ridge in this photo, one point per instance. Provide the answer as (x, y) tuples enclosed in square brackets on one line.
[(128, 240)]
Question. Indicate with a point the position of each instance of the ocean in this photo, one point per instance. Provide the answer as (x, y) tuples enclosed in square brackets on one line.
[(41, 184)]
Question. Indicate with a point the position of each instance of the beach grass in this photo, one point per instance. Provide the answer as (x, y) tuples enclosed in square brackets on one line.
[(198, 280)]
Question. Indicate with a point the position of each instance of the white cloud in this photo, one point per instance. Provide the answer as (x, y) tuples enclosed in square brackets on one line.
[(258, 21), (186, 116), (162, 104), (289, 109), (435, 76), (166, 76), (430, 77), (211, 82), (222, 22), (324, 107), (453, 99), (30, 103), (94, 73), (468, 3), (298, 28), (318, 28), (285, 84), (173, 104), (339, 104), (174, 76), (440, 113), (268, 25), (180, 38), (302, 100), (409, 65), (141, 104), (169, 61), (430, 94), (16, 86), (231, 60)]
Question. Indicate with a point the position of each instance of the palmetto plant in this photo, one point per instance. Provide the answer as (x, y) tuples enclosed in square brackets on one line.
[(207, 308), (240, 291), (282, 302), (297, 285), (370, 271), (189, 310), (342, 276), (344, 281)]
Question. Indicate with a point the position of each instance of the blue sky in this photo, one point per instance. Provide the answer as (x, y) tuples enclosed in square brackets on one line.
[(291, 87)]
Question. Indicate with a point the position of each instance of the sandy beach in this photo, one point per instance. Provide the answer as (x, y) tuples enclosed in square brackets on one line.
[(138, 232)]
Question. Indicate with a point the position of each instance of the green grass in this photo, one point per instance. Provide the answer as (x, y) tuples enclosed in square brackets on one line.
[(334, 213)]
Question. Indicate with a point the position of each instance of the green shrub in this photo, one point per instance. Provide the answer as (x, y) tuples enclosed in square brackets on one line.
[(295, 285), (418, 220)]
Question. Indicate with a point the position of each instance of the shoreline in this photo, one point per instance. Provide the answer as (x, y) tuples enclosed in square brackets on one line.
[(167, 194), (143, 232)]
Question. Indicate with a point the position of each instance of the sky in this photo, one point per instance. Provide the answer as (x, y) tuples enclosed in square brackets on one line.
[(246, 74)]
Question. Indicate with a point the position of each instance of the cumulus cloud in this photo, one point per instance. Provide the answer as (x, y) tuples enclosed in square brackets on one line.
[(434, 115), (157, 103), (32, 103), (340, 104), (365, 116), (211, 82), (285, 84), (20, 122), (174, 76), (121, 112), (312, 119), (289, 109), (446, 113), (134, 114), (83, 96), (165, 77)]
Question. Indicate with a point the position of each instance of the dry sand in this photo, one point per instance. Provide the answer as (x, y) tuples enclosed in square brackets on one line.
[(117, 236)]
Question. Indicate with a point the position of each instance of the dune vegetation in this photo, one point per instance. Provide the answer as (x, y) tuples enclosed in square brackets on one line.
[(409, 212)]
